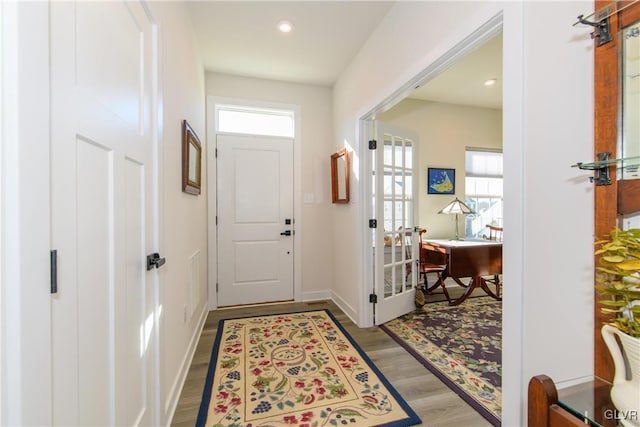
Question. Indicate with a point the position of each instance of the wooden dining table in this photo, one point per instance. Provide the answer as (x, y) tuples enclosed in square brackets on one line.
[(473, 259)]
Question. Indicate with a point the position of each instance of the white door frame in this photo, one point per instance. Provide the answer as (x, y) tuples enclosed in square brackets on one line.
[(488, 30), (25, 334), (212, 191)]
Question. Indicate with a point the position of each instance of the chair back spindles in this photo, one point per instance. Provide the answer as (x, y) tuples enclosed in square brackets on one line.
[(495, 232)]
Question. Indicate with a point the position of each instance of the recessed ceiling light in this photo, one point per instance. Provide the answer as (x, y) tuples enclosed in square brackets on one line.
[(285, 26), (490, 82)]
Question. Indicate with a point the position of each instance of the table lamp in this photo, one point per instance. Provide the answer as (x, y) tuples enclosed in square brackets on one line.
[(457, 207)]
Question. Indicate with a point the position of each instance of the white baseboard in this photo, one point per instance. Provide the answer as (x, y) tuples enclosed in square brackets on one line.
[(562, 383), (316, 296), (176, 388), (345, 307)]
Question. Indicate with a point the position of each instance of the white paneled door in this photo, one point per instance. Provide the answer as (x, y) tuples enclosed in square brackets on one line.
[(395, 202), (103, 63), (255, 219)]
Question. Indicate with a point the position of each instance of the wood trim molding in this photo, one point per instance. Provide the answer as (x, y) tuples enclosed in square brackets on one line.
[(606, 133)]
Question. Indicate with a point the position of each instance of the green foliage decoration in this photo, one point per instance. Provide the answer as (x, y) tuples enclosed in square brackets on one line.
[(618, 279)]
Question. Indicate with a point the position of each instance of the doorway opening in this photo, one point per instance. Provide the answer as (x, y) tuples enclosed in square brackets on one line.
[(374, 271)]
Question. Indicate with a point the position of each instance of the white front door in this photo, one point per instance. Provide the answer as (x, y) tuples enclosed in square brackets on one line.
[(255, 219), (103, 213), (395, 239)]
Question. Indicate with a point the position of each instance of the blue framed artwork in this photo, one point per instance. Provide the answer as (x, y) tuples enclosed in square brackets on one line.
[(441, 181)]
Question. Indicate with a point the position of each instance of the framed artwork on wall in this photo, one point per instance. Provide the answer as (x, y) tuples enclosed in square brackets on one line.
[(191, 160), (340, 176), (441, 181)]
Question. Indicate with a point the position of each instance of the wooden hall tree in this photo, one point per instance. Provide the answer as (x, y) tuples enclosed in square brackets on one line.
[(621, 197)]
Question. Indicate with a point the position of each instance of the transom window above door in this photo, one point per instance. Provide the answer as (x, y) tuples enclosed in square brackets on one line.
[(254, 120)]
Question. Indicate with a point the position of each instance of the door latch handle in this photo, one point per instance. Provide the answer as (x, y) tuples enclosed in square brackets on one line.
[(154, 261), (286, 233)]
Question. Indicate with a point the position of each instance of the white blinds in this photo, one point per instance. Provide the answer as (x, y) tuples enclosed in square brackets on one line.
[(483, 163)]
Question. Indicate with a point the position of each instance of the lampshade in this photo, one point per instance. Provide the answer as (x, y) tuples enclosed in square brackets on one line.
[(457, 206)]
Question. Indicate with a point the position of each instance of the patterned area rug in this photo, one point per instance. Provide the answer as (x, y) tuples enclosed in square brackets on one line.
[(461, 345), (295, 369)]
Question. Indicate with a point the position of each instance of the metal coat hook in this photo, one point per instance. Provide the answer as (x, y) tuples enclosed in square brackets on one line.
[(601, 31), (601, 168)]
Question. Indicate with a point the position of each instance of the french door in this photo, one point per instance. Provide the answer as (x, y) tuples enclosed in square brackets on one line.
[(395, 205), (255, 219)]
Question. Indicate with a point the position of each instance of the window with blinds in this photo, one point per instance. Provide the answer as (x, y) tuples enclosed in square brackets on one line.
[(483, 188)]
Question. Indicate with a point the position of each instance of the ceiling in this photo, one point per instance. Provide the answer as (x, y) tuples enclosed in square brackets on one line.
[(240, 37), (463, 82)]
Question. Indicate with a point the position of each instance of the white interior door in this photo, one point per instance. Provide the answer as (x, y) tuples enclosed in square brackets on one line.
[(395, 202), (255, 219), (103, 213)]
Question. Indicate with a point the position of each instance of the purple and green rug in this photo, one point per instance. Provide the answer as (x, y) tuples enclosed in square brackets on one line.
[(296, 369), (461, 345)]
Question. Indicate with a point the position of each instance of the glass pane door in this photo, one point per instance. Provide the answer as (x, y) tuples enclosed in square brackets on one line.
[(395, 205)]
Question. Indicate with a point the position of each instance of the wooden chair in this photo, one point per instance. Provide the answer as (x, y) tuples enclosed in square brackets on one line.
[(429, 266), (495, 234)]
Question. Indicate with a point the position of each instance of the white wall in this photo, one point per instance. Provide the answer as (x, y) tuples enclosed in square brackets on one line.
[(548, 122), (184, 216), (558, 305), (316, 131), (444, 133)]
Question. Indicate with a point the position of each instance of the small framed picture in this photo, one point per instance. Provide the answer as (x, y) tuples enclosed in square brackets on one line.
[(441, 181), (191, 160)]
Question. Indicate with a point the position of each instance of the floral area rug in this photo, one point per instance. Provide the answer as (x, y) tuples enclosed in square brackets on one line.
[(295, 369), (462, 345)]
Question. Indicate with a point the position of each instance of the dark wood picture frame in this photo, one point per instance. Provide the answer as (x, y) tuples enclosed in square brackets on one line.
[(191, 160), (340, 176), (441, 181)]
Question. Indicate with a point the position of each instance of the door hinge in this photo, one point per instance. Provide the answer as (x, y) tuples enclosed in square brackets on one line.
[(373, 298), (216, 219), (54, 271), (373, 144), (216, 153), (373, 223), (216, 287)]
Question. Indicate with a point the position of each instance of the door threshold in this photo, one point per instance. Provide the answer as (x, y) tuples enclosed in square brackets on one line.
[(259, 304)]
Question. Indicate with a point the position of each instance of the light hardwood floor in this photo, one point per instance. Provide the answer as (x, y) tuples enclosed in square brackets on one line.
[(433, 401)]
